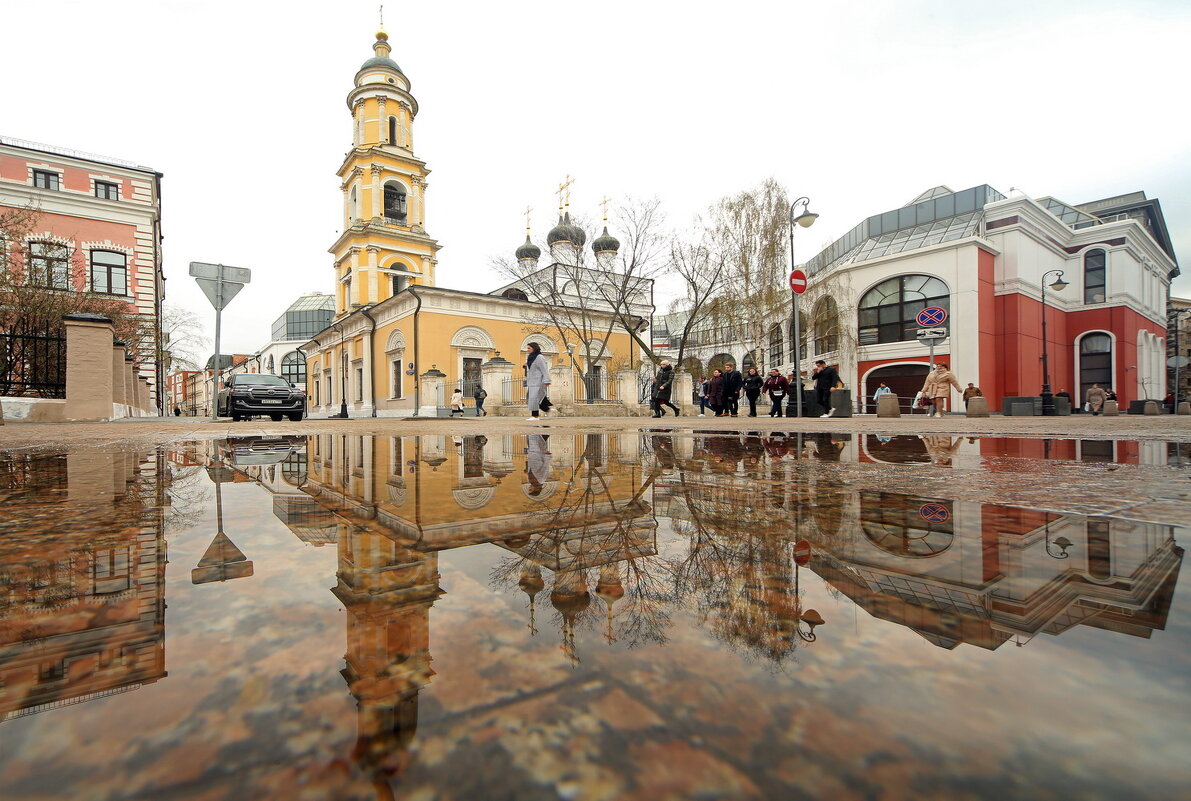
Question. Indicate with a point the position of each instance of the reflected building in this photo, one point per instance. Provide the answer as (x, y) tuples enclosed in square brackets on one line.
[(82, 602)]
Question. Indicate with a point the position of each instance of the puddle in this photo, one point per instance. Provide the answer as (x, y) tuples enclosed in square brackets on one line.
[(596, 617)]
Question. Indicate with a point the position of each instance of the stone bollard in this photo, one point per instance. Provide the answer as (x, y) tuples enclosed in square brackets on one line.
[(119, 393), (1183, 408), (978, 407), (887, 406), (88, 367), (1111, 409), (1152, 407)]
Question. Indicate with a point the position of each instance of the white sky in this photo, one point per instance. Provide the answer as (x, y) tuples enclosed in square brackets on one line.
[(860, 105)]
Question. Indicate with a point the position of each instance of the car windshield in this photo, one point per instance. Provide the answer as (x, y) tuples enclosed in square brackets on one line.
[(261, 380)]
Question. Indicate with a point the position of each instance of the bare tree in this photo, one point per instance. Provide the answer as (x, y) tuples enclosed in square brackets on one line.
[(183, 343), (701, 268)]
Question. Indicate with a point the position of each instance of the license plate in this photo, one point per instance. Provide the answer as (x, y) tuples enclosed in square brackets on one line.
[(270, 400)]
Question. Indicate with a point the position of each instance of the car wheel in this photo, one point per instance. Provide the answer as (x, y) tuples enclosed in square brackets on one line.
[(295, 416), (276, 418)]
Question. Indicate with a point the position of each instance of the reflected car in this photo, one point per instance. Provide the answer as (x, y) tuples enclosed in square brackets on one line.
[(265, 450), (248, 395)]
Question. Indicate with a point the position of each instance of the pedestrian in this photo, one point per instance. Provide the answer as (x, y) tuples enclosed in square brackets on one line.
[(795, 393), (663, 384), (704, 404), (1095, 397), (1062, 393), (457, 402), (1110, 395), (1168, 402), (826, 380), (480, 395), (537, 379), (972, 391), (938, 388), (177, 411), (538, 460), (752, 384), (715, 393), (777, 386), (881, 390), (733, 382)]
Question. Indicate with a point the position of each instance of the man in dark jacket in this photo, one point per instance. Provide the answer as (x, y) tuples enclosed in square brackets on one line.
[(733, 382), (777, 386), (825, 380)]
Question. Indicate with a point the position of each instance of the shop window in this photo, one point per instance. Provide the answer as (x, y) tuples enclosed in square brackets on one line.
[(888, 312), (1095, 362)]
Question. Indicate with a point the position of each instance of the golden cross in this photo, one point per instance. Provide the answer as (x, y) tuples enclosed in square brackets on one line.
[(605, 203), (527, 211), (382, 16), (565, 187)]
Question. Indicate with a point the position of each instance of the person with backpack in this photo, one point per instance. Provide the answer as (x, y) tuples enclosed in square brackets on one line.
[(480, 394), (777, 386)]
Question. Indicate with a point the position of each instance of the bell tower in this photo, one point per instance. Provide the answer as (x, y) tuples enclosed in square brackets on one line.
[(384, 246)]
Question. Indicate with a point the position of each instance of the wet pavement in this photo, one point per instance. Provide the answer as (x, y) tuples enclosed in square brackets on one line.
[(629, 615)]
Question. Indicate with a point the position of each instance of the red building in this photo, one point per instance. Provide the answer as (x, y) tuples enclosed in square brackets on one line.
[(100, 213)]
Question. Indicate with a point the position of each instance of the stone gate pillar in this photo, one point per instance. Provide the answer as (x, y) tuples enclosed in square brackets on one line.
[(88, 367), (433, 381), (493, 375), (119, 394)]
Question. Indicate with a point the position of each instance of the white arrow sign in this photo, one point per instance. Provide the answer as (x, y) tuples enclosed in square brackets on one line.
[(932, 333), (210, 287)]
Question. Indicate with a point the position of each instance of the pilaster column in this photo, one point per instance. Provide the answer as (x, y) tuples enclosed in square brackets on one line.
[(353, 295), (358, 122), (383, 135), (374, 293), (378, 209)]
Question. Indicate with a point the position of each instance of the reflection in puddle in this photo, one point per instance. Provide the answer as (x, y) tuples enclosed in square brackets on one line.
[(592, 616)]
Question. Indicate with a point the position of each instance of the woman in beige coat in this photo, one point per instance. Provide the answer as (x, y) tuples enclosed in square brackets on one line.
[(1095, 397), (938, 388)]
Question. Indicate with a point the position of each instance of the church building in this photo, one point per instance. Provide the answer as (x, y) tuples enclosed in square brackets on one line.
[(398, 344)]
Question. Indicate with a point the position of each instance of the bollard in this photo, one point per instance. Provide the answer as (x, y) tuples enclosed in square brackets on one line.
[(1151, 407), (1111, 409), (978, 407), (887, 406), (1183, 408)]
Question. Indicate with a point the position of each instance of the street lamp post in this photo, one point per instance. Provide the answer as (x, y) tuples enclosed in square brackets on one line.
[(1048, 398), (806, 220)]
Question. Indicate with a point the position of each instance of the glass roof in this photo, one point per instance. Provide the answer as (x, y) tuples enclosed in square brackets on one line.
[(920, 236), (1068, 214), (313, 303)]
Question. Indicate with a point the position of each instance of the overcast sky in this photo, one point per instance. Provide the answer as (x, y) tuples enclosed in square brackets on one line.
[(860, 105)]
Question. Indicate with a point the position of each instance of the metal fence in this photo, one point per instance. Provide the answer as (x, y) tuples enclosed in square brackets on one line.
[(33, 365), (513, 391), (594, 388)]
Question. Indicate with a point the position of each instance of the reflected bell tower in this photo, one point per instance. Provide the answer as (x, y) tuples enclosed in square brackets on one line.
[(384, 246)]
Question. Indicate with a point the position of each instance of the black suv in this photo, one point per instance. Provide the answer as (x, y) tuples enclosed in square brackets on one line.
[(247, 395)]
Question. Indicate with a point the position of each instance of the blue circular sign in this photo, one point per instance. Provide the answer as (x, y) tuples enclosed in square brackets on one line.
[(931, 316), (934, 513)]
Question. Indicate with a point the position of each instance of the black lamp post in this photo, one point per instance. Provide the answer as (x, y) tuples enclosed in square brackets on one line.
[(1048, 399), (806, 220), (1062, 542)]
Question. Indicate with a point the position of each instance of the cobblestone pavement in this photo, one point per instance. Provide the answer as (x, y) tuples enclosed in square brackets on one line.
[(21, 436)]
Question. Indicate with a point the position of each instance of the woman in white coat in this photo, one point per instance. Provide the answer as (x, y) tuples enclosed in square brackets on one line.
[(537, 379)]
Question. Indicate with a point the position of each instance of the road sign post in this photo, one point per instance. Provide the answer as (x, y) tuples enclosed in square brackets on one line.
[(220, 283), (929, 318), (797, 287)]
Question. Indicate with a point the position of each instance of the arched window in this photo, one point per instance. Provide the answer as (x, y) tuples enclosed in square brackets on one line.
[(1095, 362), (1094, 276), (826, 323), (395, 206), (776, 356), (109, 272), (514, 294), (888, 311), (802, 332), (293, 368), (392, 130), (750, 360), (355, 208)]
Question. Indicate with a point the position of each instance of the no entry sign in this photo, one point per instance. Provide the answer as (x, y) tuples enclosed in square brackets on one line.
[(797, 282), (802, 552), (931, 316)]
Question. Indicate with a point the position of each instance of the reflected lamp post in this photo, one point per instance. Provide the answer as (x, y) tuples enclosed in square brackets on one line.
[(806, 220), (1061, 542), (1048, 398)]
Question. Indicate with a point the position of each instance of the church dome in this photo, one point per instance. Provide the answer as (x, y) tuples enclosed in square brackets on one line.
[(563, 232), (528, 250), (381, 59), (605, 243)]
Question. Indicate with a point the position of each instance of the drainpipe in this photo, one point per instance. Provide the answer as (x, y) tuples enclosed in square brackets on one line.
[(371, 358), (158, 301), (417, 383)]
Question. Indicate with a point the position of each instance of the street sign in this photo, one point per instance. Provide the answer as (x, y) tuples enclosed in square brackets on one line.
[(210, 287), (802, 552), (932, 333), (797, 282), (932, 316), (934, 513), (1178, 361), (241, 275)]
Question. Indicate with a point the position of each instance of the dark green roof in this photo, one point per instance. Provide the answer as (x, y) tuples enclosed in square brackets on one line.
[(381, 61)]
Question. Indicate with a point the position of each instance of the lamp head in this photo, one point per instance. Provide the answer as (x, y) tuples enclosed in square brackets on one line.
[(1059, 285), (807, 218)]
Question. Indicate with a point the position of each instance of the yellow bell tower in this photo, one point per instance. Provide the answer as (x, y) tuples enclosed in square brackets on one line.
[(384, 246)]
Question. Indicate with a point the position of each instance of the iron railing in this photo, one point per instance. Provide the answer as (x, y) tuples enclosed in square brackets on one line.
[(595, 388), (33, 365)]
